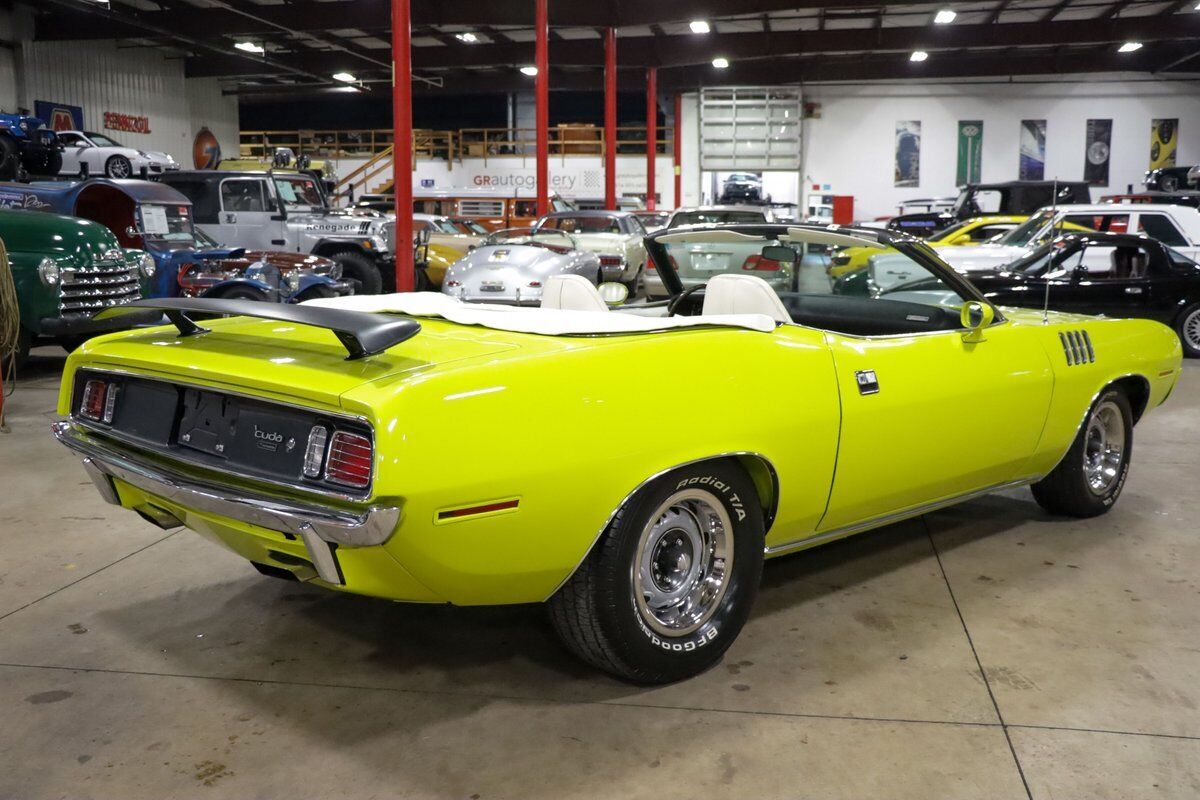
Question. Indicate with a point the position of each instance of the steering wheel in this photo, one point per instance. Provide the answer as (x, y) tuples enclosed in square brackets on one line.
[(679, 298)]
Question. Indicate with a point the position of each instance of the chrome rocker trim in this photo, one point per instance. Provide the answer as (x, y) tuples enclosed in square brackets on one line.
[(317, 525)]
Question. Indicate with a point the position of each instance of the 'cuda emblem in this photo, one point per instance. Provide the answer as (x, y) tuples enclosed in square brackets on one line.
[(268, 440)]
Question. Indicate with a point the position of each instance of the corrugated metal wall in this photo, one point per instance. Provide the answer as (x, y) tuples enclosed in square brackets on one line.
[(101, 77)]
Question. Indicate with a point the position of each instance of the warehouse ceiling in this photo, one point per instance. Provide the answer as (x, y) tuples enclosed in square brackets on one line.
[(480, 45)]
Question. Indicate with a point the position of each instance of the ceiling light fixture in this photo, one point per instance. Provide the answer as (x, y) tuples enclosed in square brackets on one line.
[(250, 47), (530, 71), (699, 26), (721, 63), (1129, 47), (466, 38), (918, 55), (945, 16), (344, 77)]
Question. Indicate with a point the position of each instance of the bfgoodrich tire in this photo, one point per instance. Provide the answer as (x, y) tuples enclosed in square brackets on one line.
[(669, 584), (1089, 479)]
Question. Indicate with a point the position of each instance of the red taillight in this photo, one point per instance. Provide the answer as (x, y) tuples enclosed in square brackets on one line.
[(760, 264), (349, 461), (611, 261), (96, 405)]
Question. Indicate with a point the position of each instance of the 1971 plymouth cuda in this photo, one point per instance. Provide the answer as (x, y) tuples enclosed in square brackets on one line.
[(414, 447)]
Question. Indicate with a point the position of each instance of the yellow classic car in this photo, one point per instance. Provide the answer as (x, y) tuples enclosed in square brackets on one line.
[(971, 231), (417, 448)]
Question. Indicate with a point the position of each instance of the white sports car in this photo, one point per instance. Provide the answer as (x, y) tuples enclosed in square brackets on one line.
[(106, 157)]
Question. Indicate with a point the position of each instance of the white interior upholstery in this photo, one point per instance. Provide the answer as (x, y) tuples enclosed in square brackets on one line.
[(572, 293), (742, 294), (544, 321)]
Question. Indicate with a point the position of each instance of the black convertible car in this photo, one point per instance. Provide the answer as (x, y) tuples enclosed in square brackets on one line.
[(1115, 274)]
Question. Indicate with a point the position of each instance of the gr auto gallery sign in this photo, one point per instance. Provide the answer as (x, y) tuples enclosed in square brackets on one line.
[(127, 123)]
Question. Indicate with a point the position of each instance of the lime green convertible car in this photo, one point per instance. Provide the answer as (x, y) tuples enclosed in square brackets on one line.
[(418, 448)]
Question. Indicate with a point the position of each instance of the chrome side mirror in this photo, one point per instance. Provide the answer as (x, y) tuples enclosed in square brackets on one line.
[(975, 317), (613, 294)]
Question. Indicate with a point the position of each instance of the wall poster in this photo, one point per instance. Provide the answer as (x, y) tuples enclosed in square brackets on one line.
[(1033, 150), (1164, 135), (970, 151), (908, 153), (1096, 151)]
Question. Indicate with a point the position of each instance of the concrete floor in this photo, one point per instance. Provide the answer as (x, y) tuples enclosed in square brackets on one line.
[(987, 651)]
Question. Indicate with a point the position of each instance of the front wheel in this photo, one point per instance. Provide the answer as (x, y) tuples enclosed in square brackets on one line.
[(1188, 328), (1091, 475), (118, 167), (360, 269), (669, 585)]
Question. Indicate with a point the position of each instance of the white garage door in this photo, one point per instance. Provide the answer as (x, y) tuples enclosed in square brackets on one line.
[(749, 128)]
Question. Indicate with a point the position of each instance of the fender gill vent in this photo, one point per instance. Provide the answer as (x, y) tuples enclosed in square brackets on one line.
[(1077, 346)]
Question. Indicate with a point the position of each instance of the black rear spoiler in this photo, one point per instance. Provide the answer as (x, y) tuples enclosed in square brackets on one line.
[(361, 333)]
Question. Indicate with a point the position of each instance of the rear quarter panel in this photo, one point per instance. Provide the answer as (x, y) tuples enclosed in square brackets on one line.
[(572, 428)]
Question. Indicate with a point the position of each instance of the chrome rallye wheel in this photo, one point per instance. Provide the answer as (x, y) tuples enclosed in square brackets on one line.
[(1091, 475), (669, 584)]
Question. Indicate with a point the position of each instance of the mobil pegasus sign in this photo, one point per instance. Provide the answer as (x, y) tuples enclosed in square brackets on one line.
[(59, 116)]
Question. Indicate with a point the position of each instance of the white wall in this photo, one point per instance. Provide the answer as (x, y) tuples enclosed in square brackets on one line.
[(851, 145), (100, 77), (570, 176)]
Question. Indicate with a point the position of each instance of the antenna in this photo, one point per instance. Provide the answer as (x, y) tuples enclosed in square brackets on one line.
[(1046, 275)]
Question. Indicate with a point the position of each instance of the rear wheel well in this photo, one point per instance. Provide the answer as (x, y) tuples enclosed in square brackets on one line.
[(1137, 389)]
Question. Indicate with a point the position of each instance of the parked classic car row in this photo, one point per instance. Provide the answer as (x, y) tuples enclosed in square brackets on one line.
[(646, 551)]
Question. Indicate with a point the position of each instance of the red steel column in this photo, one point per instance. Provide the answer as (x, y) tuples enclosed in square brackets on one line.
[(402, 144), (651, 132), (677, 142), (542, 101), (610, 119)]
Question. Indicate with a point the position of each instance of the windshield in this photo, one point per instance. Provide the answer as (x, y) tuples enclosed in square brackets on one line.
[(299, 192), (100, 140), (581, 224), (470, 226), (167, 224), (715, 217), (443, 225), (946, 233), (552, 239), (798, 274), (1024, 233)]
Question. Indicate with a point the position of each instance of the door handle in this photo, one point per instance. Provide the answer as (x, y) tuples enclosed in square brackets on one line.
[(279, 241), (1133, 290), (231, 219)]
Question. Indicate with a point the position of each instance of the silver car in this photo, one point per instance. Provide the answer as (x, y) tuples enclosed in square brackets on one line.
[(695, 271), (511, 266)]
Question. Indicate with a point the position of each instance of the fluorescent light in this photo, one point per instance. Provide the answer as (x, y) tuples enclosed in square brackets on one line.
[(721, 63), (945, 16), (918, 55), (467, 38), (1129, 47), (344, 77), (530, 71), (250, 47), (699, 26)]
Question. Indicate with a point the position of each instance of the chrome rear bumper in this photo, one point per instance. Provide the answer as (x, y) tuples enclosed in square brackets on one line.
[(317, 525)]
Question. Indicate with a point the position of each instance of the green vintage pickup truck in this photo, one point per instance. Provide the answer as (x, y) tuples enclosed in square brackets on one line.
[(66, 269)]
